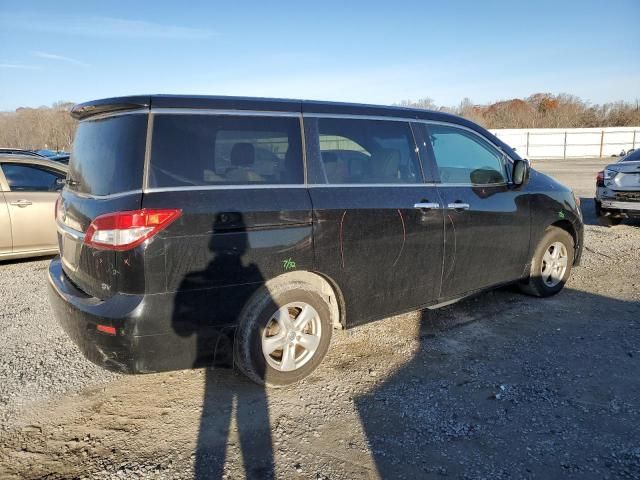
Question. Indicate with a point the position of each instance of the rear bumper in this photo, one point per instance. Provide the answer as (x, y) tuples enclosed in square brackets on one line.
[(128, 351), (618, 205)]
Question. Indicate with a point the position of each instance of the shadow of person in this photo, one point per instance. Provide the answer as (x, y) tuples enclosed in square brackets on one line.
[(195, 315), (532, 390)]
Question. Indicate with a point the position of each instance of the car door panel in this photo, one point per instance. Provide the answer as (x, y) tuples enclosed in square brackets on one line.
[(487, 221), (32, 219), (370, 238), (385, 255)]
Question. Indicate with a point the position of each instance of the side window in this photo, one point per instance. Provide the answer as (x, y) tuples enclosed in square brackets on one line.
[(31, 178), (463, 157), (200, 150), (367, 151)]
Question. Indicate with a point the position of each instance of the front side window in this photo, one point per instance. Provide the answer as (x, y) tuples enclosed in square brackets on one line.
[(31, 178), (356, 151), (202, 150), (463, 157)]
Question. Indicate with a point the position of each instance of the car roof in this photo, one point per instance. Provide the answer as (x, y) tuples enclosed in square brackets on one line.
[(20, 151), (216, 102), (31, 160)]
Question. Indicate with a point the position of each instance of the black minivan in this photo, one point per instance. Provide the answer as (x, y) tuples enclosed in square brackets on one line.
[(199, 230)]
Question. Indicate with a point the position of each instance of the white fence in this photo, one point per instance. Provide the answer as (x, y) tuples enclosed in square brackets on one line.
[(570, 142)]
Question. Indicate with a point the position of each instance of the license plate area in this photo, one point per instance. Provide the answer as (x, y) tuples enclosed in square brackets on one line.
[(70, 247)]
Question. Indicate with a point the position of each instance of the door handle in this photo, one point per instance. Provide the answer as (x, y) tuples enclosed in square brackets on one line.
[(458, 206), (21, 203), (426, 205)]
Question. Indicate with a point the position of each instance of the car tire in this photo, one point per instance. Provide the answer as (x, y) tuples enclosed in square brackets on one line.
[(609, 220), (540, 283), (261, 321)]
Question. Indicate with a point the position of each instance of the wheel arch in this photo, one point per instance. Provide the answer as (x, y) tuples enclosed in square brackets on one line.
[(325, 286)]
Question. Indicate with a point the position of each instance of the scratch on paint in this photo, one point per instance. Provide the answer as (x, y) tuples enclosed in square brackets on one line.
[(455, 246), (404, 238), (341, 243)]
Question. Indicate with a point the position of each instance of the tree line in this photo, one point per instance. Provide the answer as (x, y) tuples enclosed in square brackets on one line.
[(541, 110), (49, 128), (53, 127)]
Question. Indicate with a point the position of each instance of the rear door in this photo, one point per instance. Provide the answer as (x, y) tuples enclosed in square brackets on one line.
[(378, 227), (487, 221), (31, 197)]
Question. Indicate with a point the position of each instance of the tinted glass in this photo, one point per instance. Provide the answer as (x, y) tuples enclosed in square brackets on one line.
[(463, 157), (108, 155), (200, 150), (367, 151), (632, 157), (31, 178)]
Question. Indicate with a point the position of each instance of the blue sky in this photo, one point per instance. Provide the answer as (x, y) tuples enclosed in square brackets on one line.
[(369, 51)]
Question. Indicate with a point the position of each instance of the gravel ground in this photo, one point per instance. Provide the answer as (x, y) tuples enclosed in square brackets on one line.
[(497, 386)]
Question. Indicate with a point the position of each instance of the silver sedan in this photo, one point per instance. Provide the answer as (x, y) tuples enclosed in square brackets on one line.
[(29, 187)]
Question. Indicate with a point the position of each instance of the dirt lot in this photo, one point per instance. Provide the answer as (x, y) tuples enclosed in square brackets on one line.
[(498, 386)]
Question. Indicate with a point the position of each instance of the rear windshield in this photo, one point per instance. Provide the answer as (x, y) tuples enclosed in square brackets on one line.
[(201, 150), (108, 155)]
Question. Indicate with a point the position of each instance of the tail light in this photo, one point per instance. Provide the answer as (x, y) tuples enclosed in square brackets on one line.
[(126, 230), (600, 179)]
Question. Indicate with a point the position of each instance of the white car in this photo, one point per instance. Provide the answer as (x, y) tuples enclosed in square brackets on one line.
[(618, 190)]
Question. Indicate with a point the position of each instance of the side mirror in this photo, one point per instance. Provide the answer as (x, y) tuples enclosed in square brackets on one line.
[(520, 172)]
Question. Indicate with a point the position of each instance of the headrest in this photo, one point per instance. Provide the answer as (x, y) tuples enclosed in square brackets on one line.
[(243, 155), (385, 163)]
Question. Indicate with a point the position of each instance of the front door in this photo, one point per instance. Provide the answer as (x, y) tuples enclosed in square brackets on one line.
[(378, 228), (486, 219)]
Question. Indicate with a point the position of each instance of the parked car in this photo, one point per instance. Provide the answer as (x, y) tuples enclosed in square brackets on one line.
[(62, 158), (618, 190), (51, 153), (198, 230), (29, 187)]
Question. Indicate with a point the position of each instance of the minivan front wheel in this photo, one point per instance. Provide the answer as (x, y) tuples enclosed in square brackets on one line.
[(283, 335), (551, 264)]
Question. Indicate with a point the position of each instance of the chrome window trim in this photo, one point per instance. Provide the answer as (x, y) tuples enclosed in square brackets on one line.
[(370, 185), (213, 111), (349, 116), (262, 186), (103, 197), (62, 228)]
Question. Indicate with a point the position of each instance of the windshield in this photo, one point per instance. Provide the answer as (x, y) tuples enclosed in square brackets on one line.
[(108, 155), (634, 156)]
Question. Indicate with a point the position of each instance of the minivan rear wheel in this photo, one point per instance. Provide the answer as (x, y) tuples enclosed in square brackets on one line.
[(283, 334), (551, 264)]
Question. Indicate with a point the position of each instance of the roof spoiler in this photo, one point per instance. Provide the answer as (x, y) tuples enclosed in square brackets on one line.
[(82, 111)]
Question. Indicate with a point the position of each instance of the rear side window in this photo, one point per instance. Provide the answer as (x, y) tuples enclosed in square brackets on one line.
[(108, 155), (463, 157), (31, 178), (366, 151), (201, 150)]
